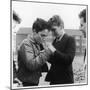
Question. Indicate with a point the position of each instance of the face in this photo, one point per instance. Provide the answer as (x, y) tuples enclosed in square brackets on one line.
[(83, 26), (41, 36), (15, 26), (56, 31)]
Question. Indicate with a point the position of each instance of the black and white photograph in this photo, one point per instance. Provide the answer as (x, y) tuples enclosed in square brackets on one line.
[(49, 44)]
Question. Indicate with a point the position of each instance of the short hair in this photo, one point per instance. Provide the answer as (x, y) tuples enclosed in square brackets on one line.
[(56, 21), (83, 15), (39, 25), (16, 17)]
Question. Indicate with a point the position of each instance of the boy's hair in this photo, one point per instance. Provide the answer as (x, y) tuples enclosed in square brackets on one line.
[(16, 17), (39, 25), (83, 15), (56, 21)]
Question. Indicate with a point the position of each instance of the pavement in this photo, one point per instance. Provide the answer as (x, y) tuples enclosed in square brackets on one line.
[(80, 74)]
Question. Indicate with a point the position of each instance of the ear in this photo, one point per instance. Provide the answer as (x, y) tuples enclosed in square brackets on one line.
[(34, 31)]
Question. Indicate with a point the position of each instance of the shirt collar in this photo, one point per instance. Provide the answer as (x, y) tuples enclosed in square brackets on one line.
[(61, 36)]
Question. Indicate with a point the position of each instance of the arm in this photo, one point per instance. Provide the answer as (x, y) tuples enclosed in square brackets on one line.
[(66, 57), (32, 62)]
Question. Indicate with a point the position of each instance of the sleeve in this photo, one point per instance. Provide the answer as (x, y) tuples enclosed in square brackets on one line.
[(67, 57), (44, 68), (32, 62)]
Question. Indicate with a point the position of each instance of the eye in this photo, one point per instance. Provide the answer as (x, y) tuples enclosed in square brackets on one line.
[(43, 35), (53, 29)]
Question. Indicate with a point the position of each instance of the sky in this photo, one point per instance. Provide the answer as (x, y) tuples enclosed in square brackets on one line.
[(29, 11)]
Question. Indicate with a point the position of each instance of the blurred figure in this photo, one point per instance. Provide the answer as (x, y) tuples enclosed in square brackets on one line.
[(83, 25), (63, 52), (15, 26), (82, 17), (33, 54)]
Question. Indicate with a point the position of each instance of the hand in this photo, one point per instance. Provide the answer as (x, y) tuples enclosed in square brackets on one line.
[(44, 45), (50, 46)]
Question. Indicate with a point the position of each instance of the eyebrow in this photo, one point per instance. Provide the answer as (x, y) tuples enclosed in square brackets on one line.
[(43, 35), (53, 29)]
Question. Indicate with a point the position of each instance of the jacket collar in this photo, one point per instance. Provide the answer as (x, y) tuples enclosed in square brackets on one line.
[(60, 37), (31, 38)]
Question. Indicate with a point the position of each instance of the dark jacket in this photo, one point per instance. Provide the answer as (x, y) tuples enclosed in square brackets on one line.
[(61, 62), (31, 61)]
